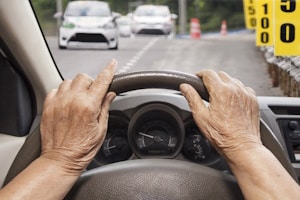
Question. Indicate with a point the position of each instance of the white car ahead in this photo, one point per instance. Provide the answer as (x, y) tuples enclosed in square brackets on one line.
[(153, 19), (124, 26), (88, 24)]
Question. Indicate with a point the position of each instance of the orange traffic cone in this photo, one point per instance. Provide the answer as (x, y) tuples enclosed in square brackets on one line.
[(224, 28), (195, 31)]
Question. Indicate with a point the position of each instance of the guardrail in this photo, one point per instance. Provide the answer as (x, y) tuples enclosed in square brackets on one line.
[(284, 72)]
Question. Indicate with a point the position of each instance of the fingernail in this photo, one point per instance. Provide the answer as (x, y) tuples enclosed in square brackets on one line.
[(184, 87), (112, 65), (111, 96), (114, 62)]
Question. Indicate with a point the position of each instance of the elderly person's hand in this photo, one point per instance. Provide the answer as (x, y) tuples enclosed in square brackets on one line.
[(231, 123), (231, 119), (74, 121), (73, 127)]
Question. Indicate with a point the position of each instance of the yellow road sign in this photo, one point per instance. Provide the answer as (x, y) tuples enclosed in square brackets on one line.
[(250, 13), (287, 27), (264, 17)]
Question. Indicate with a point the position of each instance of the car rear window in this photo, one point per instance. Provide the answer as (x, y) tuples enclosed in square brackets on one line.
[(89, 9), (152, 11)]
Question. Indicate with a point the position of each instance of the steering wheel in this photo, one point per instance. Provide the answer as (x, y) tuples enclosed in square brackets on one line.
[(152, 178)]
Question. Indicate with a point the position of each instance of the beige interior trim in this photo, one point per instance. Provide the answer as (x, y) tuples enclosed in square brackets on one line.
[(24, 37), (9, 147)]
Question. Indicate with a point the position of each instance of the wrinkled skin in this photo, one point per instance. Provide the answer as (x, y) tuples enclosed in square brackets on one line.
[(231, 123), (75, 117), (231, 119)]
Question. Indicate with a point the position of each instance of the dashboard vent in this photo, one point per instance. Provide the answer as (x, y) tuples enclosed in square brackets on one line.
[(285, 110)]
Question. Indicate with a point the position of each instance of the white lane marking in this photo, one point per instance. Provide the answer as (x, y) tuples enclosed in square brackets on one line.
[(137, 56)]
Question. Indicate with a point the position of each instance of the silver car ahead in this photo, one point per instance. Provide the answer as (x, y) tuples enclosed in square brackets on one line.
[(153, 19), (88, 24), (124, 26)]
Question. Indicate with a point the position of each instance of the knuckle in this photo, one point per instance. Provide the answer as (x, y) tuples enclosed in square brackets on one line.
[(49, 96), (82, 76), (65, 82), (86, 107), (106, 79)]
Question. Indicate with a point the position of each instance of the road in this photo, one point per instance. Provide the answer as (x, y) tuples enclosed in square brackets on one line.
[(235, 54)]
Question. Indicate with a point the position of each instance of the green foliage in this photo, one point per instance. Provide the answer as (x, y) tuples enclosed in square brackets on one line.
[(45, 9), (212, 12), (236, 21)]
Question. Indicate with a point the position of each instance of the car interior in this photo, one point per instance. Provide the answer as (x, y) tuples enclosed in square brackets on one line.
[(134, 164)]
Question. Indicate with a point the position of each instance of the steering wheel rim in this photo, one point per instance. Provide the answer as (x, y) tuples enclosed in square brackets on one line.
[(94, 184), (156, 79)]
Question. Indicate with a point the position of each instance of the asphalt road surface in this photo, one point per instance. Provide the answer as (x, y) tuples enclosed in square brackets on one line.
[(235, 54)]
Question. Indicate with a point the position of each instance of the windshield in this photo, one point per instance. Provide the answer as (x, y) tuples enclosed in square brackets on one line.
[(87, 9), (197, 35), (158, 11)]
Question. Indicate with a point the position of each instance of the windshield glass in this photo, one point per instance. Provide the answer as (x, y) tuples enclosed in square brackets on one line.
[(196, 35), (152, 11), (87, 9)]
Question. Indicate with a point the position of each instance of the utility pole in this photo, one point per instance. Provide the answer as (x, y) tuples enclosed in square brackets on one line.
[(59, 10), (182, 16)]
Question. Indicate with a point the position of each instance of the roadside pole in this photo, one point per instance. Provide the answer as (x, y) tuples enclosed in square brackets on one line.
[(182, 16), (58, 10)]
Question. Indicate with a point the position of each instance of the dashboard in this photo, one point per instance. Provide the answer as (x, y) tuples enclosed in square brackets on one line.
[(155, 123), (158, 123)]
